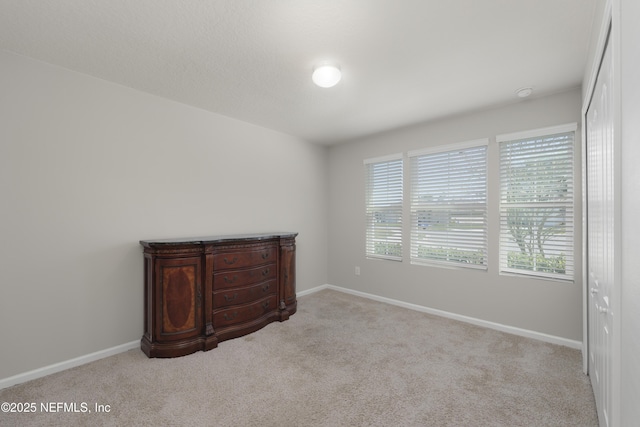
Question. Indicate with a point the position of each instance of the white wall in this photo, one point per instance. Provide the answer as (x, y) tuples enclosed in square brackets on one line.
[(89, 168), (547, 307), (627, 16), (625, 34)]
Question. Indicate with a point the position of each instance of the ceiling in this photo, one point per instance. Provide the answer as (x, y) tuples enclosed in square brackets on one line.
[(403, 61)]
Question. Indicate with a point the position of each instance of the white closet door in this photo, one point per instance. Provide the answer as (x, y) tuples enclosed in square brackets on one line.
[(600, 236)]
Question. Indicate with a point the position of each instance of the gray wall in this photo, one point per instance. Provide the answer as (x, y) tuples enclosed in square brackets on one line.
[(88, 168), (548, 307)]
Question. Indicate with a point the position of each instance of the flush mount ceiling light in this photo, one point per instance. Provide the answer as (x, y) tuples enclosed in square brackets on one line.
[(524, 92), (326, 75)]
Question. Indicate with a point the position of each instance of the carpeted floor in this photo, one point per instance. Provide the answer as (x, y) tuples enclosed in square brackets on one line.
[(341, 360)]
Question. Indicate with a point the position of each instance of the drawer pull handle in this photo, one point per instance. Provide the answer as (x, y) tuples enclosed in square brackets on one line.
[(227, 298), (233, 261), (265, 305), (226, 279), (266, 287), (265, 255), (265, 272), (233, 316)]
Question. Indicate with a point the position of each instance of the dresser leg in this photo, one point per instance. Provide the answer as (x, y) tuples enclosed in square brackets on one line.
[(284, 313)]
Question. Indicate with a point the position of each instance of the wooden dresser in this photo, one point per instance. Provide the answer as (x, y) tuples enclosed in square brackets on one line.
[(200, 291)]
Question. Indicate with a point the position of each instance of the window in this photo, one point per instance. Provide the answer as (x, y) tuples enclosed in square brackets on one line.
[(449, 205), (536, 202), (384, 207)]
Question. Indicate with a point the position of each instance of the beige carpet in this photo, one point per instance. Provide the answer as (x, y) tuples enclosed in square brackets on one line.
[(340, 361)]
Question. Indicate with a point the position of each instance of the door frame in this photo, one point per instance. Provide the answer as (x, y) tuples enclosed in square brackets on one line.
[(608, 30), (605, 28)]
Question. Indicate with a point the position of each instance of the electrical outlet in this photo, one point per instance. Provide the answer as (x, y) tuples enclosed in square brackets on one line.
[(357, 270)]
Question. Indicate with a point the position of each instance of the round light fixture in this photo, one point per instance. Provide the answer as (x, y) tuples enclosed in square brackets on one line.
[(524, 92), (326, 75)]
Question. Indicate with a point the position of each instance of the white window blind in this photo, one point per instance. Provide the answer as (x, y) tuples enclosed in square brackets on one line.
[(537, 203), (384, 207), (449, 205)]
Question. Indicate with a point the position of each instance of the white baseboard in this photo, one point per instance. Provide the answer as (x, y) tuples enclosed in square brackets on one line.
[(314, 290), (72, 363), (479, 322)]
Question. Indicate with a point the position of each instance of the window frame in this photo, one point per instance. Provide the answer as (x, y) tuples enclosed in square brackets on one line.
[(568, 207), (455, 243), (396, 236)]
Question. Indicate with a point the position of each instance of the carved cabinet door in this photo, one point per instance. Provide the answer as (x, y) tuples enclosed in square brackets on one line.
[(179, 296)]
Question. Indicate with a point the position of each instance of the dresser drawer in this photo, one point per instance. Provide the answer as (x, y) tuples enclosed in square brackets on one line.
[(235, 296), (235, 278), (244, 313), (245, 258)]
